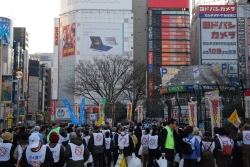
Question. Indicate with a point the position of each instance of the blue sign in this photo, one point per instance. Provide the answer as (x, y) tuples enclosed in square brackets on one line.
[(6, 30), (82, 112), (223, 67), (72, 115), (217, 15), (189, 88), (150, 68)]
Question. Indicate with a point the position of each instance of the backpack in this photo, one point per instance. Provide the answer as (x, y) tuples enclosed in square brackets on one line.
[(187, 147), (226, 149), (207, 155)]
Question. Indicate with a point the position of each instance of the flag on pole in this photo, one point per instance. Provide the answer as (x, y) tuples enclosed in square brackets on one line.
[(234, 119)]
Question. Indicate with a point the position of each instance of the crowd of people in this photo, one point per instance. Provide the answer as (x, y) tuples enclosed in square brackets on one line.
[(100, 146)]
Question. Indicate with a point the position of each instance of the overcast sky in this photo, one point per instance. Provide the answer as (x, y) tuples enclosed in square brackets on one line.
[(37, 16)]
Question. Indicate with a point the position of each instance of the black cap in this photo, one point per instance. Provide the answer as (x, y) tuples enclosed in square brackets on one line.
[(130, 130)]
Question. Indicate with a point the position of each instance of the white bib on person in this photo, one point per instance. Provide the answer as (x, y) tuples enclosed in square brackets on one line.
[(144, 140), (5, 151), (207, 145), (62, 139), (98, 139), (107, 143), (77, 152), (38, 157), (86, 138), (19, 152), (125, 138), (153, 142), (105, 131), (55, 152), (246, 137), (191, 142)]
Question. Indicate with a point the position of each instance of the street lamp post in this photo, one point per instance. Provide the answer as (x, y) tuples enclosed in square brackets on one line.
[(19, 76)]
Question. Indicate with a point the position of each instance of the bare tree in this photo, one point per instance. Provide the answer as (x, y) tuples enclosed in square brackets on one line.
[(107, 77)]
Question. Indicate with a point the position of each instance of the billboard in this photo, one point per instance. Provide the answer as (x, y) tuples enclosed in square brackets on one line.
[(7, 82), (62, 113), (54, 90), (219, 38), (219, 11), (53, 108), (168, 4), (68, 37), (103, 39), (6, 31), (72, 5)]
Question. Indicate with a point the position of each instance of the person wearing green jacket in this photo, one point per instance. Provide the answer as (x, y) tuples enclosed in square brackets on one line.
[(57, 130)]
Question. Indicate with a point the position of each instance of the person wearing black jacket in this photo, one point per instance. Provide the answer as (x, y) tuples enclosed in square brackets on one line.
[(153, 148), (109, 149), (6, 158), (36, 154), (116, 148), (128, 145), (97, 147), (138, 134), (171, 142)]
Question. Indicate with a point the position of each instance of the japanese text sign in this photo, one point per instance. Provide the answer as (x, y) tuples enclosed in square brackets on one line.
[(219, 11)]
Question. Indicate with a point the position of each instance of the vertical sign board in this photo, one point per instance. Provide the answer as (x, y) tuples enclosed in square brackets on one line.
[(129, 111), (82, 112), (1, 61), (247, 104), (53, 110), (241, 48), (55, 60), (140, 114), (248, 43)]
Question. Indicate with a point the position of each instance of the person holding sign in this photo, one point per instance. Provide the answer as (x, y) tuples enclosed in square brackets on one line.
[(244, 136)]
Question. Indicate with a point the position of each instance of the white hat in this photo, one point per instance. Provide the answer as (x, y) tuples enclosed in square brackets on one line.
[(34, 141)]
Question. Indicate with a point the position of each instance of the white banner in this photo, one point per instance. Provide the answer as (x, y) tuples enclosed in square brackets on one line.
[(196, 72), (219, 38), (92, 117), (102, 39), (62, 113), (71, 5)]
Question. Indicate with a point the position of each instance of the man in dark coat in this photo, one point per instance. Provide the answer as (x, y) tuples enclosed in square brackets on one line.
[(138, 134)]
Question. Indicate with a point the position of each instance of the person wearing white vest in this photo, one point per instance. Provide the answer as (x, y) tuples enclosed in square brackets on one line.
[(75, 153), (244, 136), (36, 154), (56, 149), (23, 142), (7, 150), (63, 137), (153, 148), (109, 149), (125, 144), (144, 143), (97, 147)]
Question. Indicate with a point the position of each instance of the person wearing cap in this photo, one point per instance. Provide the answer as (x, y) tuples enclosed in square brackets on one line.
[(23, 142), (7, 151), (125, 144), (36, 154), (244, 136), (75, 153), (56, 149), (97, 147), (138, 134)]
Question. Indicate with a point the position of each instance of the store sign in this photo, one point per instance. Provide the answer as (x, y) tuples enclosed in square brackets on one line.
[(219, 38), (222, 88), (180, 88), (219, 11), (242, 49), (56, 36), (168, 4)]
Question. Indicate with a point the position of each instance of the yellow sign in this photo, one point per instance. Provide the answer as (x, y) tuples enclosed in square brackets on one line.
[(9, 115), (98, 123), (234, 117)]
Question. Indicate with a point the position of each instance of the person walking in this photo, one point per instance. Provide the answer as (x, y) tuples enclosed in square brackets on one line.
[(36, 154), (7, 151), (153, 148), (220, 142), (207, 144), (75, 153), (190, 160), (109, 149), (244, 137), (138, 134), (97, 147), (145, 143), (56, 149)]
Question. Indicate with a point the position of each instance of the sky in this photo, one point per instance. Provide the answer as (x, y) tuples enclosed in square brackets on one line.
[(37, 16)]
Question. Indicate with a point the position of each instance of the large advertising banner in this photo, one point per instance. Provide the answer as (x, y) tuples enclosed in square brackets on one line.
[(103, 39), (219, 38), (69, 40), (220, 11), (62, 113), (7, 82), (6, 31)]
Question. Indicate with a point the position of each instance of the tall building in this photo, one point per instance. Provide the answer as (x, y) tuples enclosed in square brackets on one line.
[(45, 58), (82, 24), (22, 36), (214, 40), (168, 46)]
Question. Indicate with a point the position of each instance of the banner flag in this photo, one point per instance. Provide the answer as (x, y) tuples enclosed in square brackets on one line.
[(73, 117), (82, 112)]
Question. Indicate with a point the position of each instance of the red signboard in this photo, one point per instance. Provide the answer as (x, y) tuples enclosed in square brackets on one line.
[(53, 107), (174, 21), (56, 36), (175, 33), (150, 57), (175, 46), (175, 17), (168, 4), (217, 9), (175, 37)]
